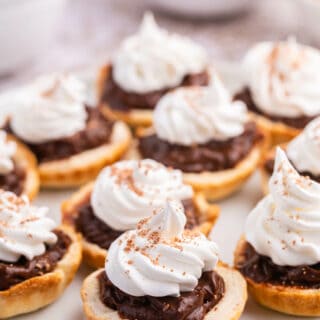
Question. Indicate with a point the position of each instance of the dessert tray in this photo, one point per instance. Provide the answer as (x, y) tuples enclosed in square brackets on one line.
[(225, 233)]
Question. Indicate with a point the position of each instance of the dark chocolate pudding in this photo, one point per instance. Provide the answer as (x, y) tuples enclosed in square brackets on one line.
[(119, 99), (97, 132), (192, 305), (14, 180), (261, 269), (17, 272), (211, 156), (246, 96), (96, 231)]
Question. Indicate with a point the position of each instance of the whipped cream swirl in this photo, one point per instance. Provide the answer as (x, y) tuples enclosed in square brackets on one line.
[(159, 258), (153, 59), (284, 78), (127, 191), (7, 150), (195, 115), (52, 107), (24, 230), (304, 150), (285, 225)]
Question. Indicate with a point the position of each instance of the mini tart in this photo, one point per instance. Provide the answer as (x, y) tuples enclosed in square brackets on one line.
[(83, 167), (37, 292), (94, 255), (230, 306), (285, 299), (219, 184), (25, 159), (278, 131)]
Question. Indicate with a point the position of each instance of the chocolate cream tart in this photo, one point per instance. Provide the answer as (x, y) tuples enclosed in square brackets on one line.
[(303, 153), (123, 194), (18, 167), (71, 141), (200, 131), (282, 87), (279, 254), (38, 259), (147, 66), (162, 271)]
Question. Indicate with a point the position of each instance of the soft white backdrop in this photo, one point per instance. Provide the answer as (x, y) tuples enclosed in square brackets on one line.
[(90, 30)]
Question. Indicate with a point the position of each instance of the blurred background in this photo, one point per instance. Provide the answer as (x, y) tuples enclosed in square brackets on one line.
[(39, 36)]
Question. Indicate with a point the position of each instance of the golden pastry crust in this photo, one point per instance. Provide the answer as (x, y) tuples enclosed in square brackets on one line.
[(220, 184), (25, 159), (37, 292), (284, 299), (278, 131), (95, 256), (230, 306), (134, 117), (81, 168)]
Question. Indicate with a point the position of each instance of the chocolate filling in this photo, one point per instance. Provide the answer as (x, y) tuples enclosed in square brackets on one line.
[(261, 269), (192, 305), (96, 231), (14, 180), (97, 132), (211, 156), (17, 272), (119, 99), (298, 122), (269, 165)]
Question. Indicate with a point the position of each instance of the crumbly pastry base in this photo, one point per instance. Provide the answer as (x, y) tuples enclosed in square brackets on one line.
[(81, 168), (284, 299), (220, 184), (278, 132), (25, 159), (95, 256), (230, 306), (37, 292), (133, 117)]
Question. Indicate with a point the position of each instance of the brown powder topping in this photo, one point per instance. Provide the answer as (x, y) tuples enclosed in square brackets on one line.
[(154, 238), (125, 177)]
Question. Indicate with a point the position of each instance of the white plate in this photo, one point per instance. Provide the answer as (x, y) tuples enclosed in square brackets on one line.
[(226, 233)]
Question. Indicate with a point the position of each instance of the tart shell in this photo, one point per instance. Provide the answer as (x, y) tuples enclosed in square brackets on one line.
[(278, 131), (95, 256), (25, 159), (81, 168), (220, 184), (230, 306), (284, 299), (37, 292)]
